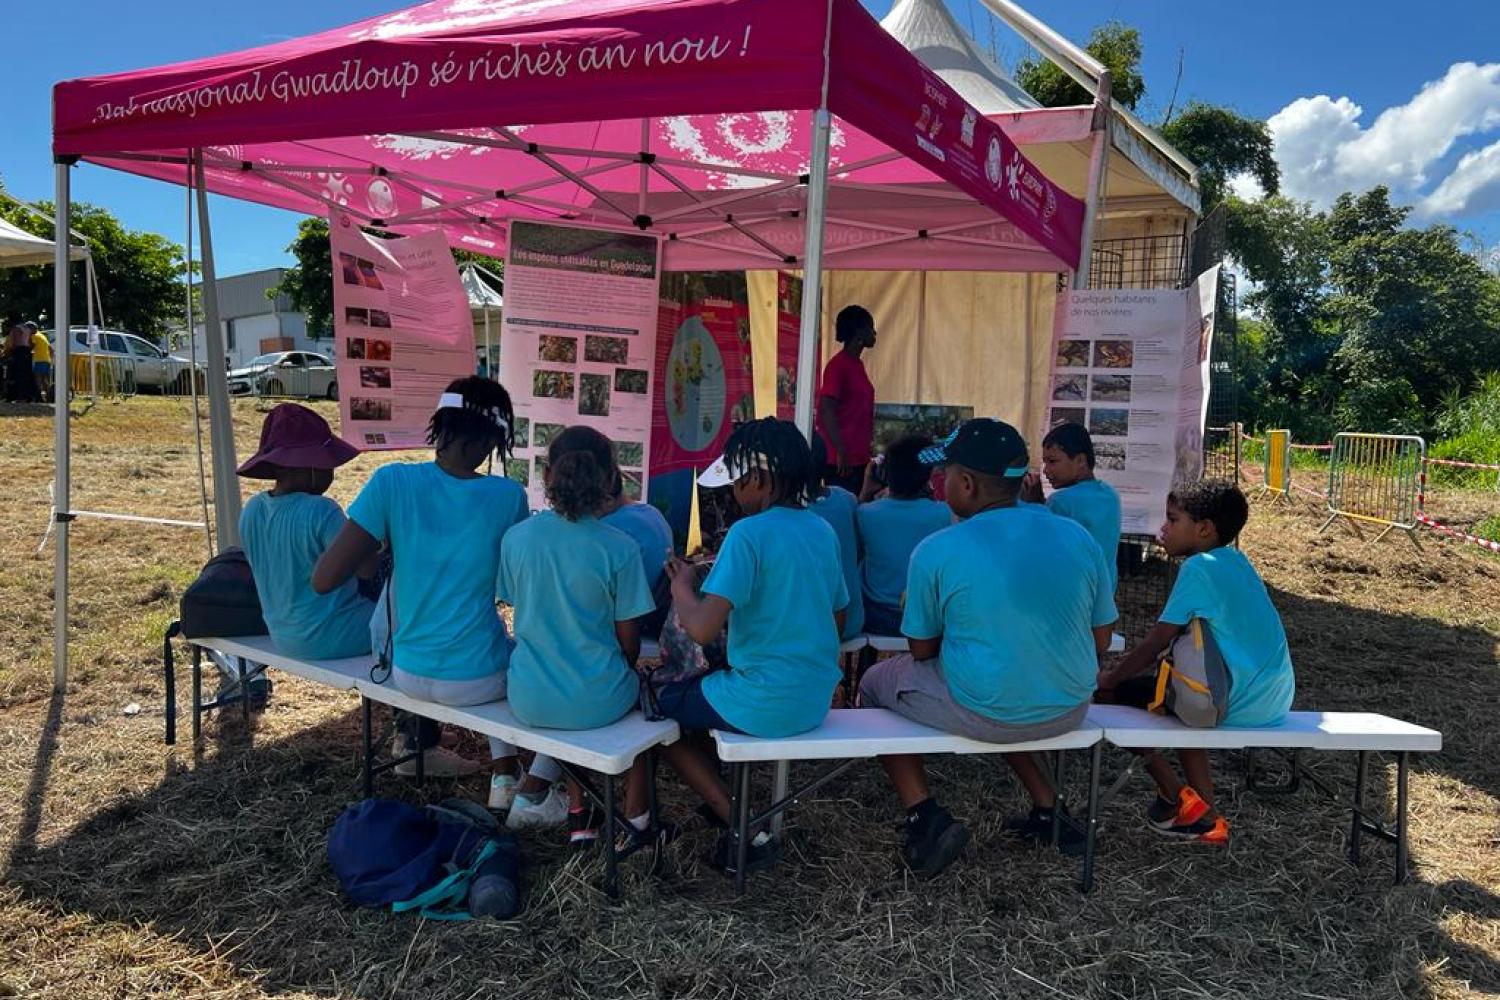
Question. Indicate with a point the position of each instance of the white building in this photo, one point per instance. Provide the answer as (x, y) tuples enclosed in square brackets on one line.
[(253, 324)]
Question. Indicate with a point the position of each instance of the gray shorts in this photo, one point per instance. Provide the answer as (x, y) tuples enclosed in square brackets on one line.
[(475, 691), (918, 691)]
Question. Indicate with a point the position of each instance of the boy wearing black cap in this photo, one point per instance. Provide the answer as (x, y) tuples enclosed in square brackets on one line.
[(998, 653)]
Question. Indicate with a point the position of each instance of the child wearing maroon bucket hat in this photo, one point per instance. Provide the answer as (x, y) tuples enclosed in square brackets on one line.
[(286, 529)]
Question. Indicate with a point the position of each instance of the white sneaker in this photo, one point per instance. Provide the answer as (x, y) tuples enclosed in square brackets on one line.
[(502, 791), (552, 811), (437, 762)]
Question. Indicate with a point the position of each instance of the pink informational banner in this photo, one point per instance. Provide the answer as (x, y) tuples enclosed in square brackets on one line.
[(702, 367), (1132, 365), (402, 331), (788, 323), (463, 114), (579, 342)]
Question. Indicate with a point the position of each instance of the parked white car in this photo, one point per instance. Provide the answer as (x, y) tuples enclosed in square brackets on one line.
[(299, 374), (136, 361)]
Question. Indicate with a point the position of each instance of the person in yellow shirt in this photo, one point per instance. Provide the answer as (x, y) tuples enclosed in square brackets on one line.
[(41, 361)]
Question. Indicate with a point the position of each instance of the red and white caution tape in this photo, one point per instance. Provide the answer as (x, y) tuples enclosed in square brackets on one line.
[(1312, 447), (1462, 465), (1455, 533)]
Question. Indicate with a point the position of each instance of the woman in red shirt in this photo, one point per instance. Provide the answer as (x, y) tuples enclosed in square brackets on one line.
[(846, 402)]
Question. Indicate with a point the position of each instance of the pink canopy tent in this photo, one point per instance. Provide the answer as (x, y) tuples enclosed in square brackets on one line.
[(748, 133)]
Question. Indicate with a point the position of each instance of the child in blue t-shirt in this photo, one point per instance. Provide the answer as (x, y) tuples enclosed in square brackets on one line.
[(285, 529), (837, 506), (649, 529), (1068, 464), (778, 584), (891, 528), (999, 652), (1218, 586), (443, 521), (578, 589)]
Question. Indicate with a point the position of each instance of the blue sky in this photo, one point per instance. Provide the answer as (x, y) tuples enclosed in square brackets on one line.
[(1358, 92)]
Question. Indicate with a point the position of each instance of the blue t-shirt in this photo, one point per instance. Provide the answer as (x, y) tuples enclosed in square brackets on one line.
[(1094, 504), (779, 569), (570, 581), (651, 533), (1014, 593), (1223, 589), (837, 507), (444, 534), (891, 530), (283, 538)]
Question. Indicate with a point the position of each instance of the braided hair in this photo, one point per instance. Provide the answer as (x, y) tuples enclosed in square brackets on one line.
[(483, 398), (780, 447), (581, 472)]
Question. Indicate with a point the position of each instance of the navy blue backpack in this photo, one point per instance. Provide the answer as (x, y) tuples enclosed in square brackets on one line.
[(417, 858)]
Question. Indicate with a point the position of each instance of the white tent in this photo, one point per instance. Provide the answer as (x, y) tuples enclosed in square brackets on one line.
[(935, 323), (19, 248), (483, 298)]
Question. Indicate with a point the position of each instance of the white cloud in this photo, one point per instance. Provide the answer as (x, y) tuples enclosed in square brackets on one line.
[(1324, 149), (1472, 188)]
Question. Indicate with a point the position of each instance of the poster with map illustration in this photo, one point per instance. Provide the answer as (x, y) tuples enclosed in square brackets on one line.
[(579, 342)]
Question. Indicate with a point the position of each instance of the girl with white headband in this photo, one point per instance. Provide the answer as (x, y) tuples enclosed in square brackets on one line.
[(443, 521)]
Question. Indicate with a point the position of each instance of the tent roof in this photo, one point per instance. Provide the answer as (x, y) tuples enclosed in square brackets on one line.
[(1143, 176), (18, 248), (691, 118)]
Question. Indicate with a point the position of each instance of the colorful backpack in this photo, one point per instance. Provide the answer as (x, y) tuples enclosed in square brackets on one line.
[(1192, 680)]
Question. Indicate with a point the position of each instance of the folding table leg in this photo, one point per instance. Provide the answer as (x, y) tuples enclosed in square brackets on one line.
[(239, 665), (1402, 762), (1057, 797), (653, 817), (368, 746), (1357, 824), (740, 817), (1096, 760), (197, 693), (779, 785), (611, 862)]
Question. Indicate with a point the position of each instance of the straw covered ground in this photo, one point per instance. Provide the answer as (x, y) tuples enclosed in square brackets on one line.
[(134, 870)]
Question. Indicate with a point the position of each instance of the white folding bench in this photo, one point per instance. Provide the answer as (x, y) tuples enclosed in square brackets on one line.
[(608, 751), (850, 735), (1359, 732)]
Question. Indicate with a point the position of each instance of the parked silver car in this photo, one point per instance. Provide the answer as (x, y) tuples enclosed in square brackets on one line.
[(135, 362), (299, 374)]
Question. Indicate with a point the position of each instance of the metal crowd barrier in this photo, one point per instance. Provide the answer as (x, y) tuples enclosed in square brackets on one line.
[(1377, 479)]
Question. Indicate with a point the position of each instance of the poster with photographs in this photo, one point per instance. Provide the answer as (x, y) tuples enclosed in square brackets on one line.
[(579, 342), (1133, 366), (401, 329)]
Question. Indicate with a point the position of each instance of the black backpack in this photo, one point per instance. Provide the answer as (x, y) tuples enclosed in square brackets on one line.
[(223, 600)]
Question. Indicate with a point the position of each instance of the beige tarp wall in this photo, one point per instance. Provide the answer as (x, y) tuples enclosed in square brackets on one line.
[(948, 338)]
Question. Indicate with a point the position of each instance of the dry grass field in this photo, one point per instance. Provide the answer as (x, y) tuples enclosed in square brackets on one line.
[(134, 870)]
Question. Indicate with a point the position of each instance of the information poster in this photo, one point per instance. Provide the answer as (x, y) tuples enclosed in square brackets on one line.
[(703, 366), (401, 331), (578, 344), (788, 323), (1132, 366)]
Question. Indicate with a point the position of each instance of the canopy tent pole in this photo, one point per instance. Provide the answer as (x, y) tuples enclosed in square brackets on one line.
[(88, 299), (220, 425), (187, 268), (812, 274), (62, 497), (1098, 176), (489, 356)]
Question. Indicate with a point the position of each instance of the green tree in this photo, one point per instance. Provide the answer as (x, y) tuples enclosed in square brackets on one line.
[(1116, 45), (1418, 314), (309, 284), (1223, 143), (139, 273)]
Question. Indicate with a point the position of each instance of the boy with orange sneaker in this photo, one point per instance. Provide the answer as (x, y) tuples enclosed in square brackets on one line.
[(1220, 607)]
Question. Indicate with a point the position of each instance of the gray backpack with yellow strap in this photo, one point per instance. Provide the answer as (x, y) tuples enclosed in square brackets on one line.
[(1192, 680)]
